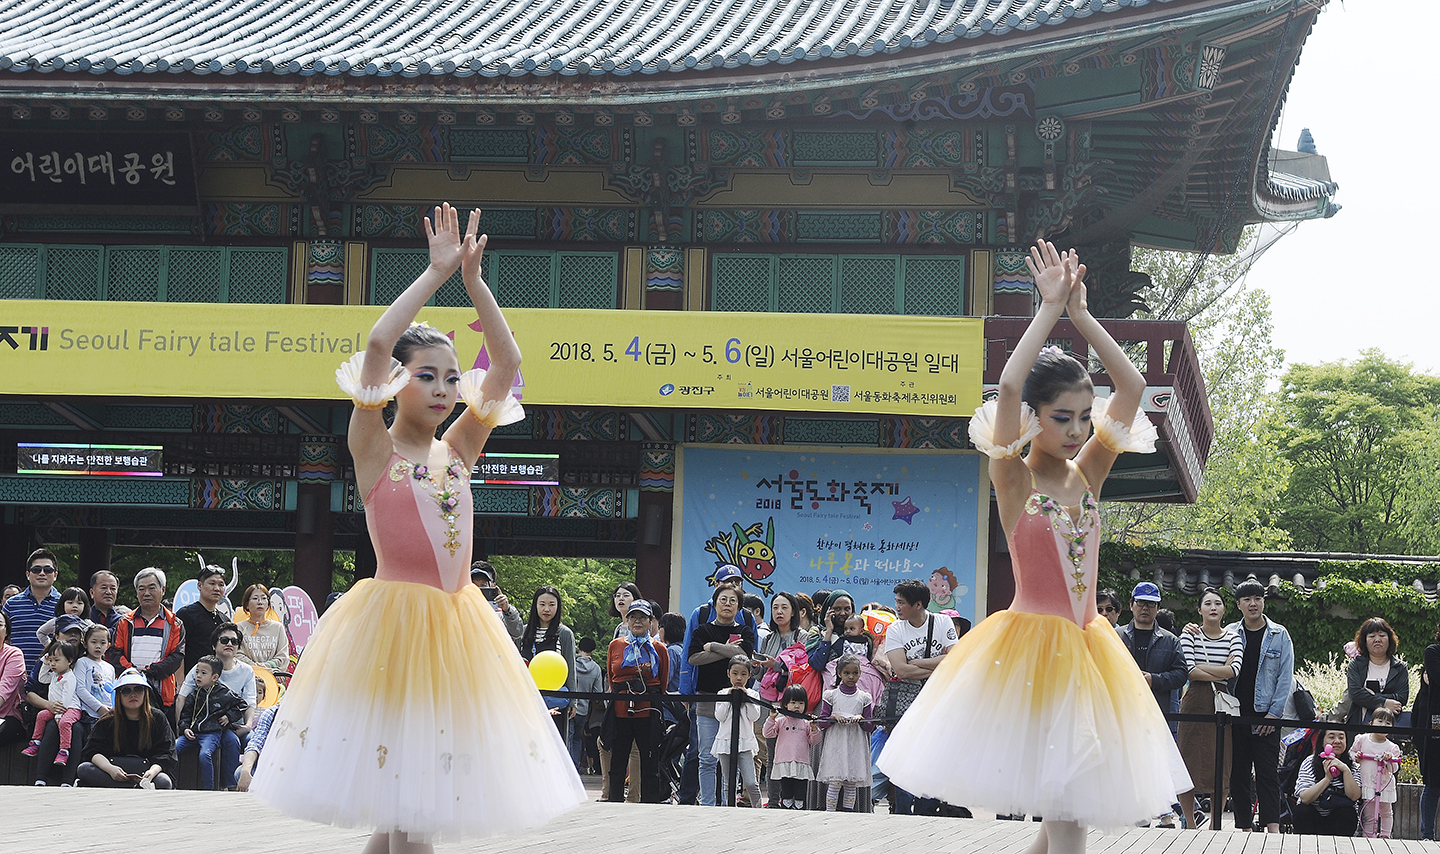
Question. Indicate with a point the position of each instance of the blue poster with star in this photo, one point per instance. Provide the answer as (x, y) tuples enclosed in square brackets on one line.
[(802, 520)]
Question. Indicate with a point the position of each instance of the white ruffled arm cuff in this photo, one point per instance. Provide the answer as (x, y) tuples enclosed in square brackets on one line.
[(982, 431), (491, 413), (347, 376), (1139, 438)]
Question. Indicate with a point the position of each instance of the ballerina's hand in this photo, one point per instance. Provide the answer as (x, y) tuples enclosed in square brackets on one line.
[(1076, 303), (442, 231), (473, 248), (1052, 274)]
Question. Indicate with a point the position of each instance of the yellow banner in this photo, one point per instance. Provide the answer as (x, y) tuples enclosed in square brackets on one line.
[(573, 357)]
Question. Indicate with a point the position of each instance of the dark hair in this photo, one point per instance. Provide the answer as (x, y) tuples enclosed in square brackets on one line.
[(741, 659), (486, 567), (1382, 712), (42, 554), (1053, 374), (225, 628), (794, 610), (74, 594), (751, 602), (144, 740), (207, 572), (721, 588), (821, 598), (1109, 596), (1370, 627), (672, 627), (914, 592), (211, 662), (624, 585), (794, 694), (1165, 619), (532, 624), (1316, 766), (418, 337), (1249, 587), (586, 645), (69, 649), (845, 661), (245, 600), (6, 638), (1207, 591), (807, 607), (94, 627)]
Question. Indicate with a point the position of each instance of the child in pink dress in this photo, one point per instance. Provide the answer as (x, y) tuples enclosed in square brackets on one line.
[(794, 736), (1377, 759)]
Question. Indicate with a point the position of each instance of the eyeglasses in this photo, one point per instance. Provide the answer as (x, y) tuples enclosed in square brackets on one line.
[(1109, 609), (228, 642), (43, 570)]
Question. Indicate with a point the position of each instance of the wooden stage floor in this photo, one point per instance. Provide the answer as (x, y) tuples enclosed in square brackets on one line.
[(97, 821)]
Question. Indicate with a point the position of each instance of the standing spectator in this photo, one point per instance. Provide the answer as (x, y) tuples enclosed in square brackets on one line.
[(847, 713), (10, 590), (711, 647), (263, 645), (132, 747), (484, 576), (1266, 680), (637, 665), (151, 640), (756, 606), (741, 749), (838, 609), (1326, 788), (1378, 758), (588, 678), (807, 615), (1377, 678), (783, 634), (104, 589), (1107, 602), (12, 685), (1155, 650), (545, 630), (202, 617), (1427, 704), (672, 634), (34, 606), (1213, 656), (915, 644), (792, 737), (625, 593)]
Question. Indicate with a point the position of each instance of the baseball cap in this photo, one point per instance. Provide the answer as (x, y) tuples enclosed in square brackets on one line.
[(68, 623), (640, 605), (1146, 592), (727, 572)]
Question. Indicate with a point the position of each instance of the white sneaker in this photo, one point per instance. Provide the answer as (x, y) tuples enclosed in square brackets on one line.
[(41, 783)]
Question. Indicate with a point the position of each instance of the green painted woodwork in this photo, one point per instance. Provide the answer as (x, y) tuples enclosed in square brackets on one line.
[(251, 274), (519, 278), (826, 284), (835, 148), (149, 491), (495, 145), (501, 500), (91, 224), (839, 226), (832, 431)]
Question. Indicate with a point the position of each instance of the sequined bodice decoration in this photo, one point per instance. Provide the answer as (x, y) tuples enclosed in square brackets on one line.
[(1072, 533), (444, 491)]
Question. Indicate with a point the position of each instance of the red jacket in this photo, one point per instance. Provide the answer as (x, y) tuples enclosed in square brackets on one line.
[(620, 675), (162, 672)]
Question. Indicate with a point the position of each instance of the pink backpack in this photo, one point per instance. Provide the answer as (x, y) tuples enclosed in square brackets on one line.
[(797, 664)]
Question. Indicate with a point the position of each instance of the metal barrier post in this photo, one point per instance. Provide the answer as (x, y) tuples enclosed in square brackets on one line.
[(737, 703), (1217, 793)]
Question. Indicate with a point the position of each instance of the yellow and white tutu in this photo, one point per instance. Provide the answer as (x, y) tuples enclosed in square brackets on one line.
[(411, 710), (1029, 713)]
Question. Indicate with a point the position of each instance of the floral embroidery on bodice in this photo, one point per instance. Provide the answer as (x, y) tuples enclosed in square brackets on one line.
[(1055, 556)]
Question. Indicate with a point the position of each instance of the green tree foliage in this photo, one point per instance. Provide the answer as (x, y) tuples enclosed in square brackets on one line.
[(585, 586), (1361, 440)]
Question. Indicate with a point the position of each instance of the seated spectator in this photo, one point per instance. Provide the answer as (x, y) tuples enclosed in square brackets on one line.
[(12, 685), (133, 746), (640, 665), (94, 676), (484, 576), (236, 675), (104, 590), (10, 590), (64, 706), (73, 601), (206, 721), (37, 694), (263, 642), (151, 639), (252, 750), (1377, 678), (1327, 790)]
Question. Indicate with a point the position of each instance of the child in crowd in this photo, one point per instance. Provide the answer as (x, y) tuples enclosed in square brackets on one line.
[(739, 674), (73, 601), (60, 657), (1378, 759), (794, 736), (846, 713), (856, 641), (94, 676), (212, 710)]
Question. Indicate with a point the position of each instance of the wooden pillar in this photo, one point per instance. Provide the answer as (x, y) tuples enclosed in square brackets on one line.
[(94, 555), (314, 540), (652, 548)]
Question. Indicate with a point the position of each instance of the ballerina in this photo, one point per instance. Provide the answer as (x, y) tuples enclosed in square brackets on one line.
[(411, 711), (1040, 709)]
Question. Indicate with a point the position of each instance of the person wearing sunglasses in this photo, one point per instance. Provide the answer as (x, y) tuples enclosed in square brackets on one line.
[(33, 607), (131, 747), (236, 675), (1107, 602)]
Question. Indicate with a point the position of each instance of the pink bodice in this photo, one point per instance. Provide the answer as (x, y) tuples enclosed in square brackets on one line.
[(412, 536), (1056, 559)]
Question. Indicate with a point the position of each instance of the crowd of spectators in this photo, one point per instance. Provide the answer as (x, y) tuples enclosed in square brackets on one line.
[(108, 696)]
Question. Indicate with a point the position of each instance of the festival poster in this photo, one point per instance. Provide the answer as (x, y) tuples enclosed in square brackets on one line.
[(799, 520)]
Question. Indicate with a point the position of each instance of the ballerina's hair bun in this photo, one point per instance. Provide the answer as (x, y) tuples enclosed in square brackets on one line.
[(418, 337), (1054, 373)]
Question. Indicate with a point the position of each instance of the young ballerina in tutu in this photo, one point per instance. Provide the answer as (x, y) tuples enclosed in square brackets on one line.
[(411, 711), (1080, 740)]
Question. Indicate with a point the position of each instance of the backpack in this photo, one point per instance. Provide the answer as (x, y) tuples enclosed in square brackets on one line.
[(796, 671)]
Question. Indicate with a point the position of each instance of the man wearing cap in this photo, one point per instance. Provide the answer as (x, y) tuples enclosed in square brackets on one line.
[(637, 664), (483, 575), (1156, 651), (33, 607)]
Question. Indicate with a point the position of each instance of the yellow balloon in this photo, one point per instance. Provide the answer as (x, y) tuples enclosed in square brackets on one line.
[(549, 670)]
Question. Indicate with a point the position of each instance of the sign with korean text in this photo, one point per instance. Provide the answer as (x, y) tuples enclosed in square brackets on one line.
[(799, 521), (91, 172), (61, 458), (693, 360), (527, 469)]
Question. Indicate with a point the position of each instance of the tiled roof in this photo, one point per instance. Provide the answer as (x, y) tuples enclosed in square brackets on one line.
[(490, 37), (1197, 569)]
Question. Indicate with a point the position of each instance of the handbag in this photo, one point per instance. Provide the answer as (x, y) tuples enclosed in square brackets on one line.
[(900, 693), (1226, 703)]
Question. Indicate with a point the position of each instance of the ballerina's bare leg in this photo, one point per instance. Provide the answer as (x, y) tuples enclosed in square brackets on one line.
[(1058, 837), (395, 842)]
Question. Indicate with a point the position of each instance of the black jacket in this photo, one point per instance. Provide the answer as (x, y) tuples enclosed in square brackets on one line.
[(203, 709), (1165, 663)]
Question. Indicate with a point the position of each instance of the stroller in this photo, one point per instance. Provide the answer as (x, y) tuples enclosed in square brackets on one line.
[(674, 736)]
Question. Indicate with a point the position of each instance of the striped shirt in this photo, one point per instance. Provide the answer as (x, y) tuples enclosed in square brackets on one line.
[(26, 617), (1199, 649)]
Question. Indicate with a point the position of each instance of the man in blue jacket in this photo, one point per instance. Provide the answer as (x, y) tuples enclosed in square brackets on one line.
[(1156, 651)]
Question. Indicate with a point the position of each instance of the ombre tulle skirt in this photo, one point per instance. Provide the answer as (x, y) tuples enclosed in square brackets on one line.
[(412, 711), (1029, 713)]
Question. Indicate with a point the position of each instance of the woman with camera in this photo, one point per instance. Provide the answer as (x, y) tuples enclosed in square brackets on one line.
[(637, 664)]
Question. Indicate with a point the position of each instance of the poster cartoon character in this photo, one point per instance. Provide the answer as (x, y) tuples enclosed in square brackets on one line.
[(754, 557), (945, 590)]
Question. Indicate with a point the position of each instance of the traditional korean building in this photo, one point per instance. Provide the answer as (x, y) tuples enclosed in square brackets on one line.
[(171, 167)]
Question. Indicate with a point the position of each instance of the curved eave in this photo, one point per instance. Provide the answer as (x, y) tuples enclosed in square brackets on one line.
[(1287, 198)]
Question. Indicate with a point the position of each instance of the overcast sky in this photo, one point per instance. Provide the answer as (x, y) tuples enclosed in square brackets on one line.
[(1370, 275)]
